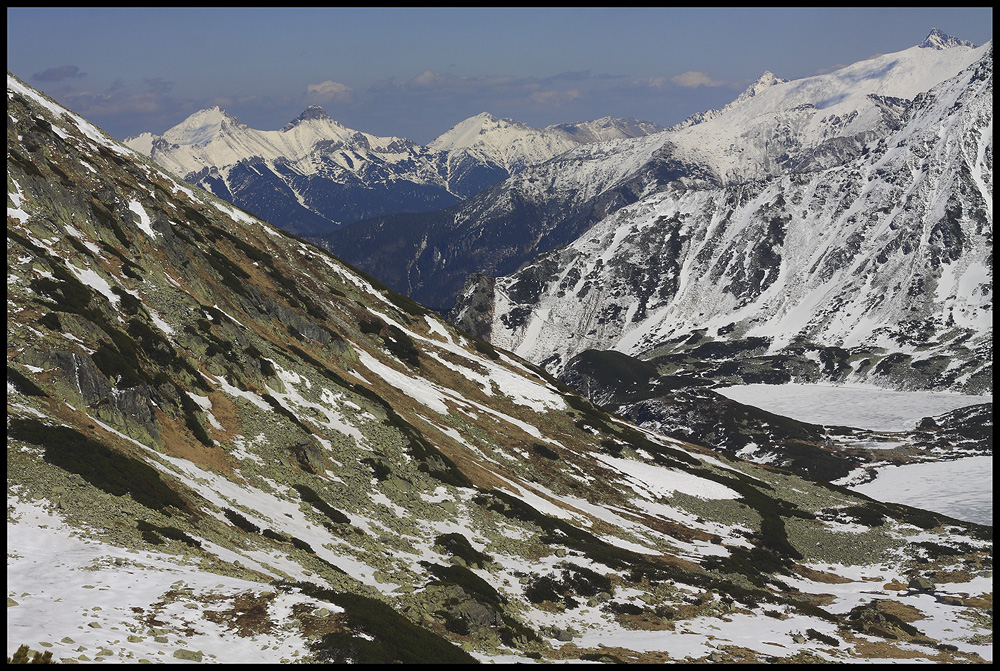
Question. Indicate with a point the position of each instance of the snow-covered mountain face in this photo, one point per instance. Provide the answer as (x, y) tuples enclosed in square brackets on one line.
[(774, 128), (877, 269), (779, 126), (515, 145), (224, 444), (315, 174), (607, 128)]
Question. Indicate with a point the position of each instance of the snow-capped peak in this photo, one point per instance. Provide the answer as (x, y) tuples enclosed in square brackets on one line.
[(470, 132), (200, 128), (764, 82), (506, 142), (937, 39), (761, 84), (311, 113)]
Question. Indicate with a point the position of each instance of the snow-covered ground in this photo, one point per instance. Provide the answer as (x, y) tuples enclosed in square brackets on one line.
[(122, 605), (962, 488), (863, 407)]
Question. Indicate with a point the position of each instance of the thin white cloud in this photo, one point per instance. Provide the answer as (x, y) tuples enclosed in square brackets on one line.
[(329, 91), (693, 80)]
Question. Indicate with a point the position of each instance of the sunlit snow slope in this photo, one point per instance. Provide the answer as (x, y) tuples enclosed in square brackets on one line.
[(887, 253)]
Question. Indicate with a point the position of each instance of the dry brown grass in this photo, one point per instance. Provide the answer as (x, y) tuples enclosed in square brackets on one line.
[(178, 442), (821, 576), (903, 611), (247, 616)]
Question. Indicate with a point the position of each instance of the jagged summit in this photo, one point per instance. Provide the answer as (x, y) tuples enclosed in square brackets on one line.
[(764, 82), (311, 113), (314, 112), (486, 116), (761, 84), (937, 39)]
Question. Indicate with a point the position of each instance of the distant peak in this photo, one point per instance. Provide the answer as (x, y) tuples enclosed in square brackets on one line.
[(311, 113), (764, 82), (940, 40), (215, 112), (485, 118), (201, 127), (767, 79)]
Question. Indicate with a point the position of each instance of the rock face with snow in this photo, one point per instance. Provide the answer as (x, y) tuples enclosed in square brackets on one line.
[(315, 174), (514, 146), (224, 444), (859, 250), (429, 256), (776, 128)]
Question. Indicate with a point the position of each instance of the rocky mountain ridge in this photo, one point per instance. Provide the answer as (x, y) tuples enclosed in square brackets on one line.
[(515, 145), (315, 174), (226, 445), (776, 128), (877, 270)]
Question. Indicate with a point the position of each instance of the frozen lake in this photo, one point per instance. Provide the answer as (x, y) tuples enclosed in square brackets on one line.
[(850, 405), (962, 488)]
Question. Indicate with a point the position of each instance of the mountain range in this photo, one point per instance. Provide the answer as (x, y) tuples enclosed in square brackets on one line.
[(858, 256), (226, 444), (314, 174), (878, 269)]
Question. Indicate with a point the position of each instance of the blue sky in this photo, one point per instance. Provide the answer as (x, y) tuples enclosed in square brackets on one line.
[(416, 72)]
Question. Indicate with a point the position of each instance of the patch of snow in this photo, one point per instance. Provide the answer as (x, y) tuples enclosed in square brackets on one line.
[(145, 225), (94, 281), (651, 481)]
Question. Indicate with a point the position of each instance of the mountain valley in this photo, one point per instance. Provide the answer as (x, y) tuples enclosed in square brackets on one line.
[(229, 443), (202, 405)]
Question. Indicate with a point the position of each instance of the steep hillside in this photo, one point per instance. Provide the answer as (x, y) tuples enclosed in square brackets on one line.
[(877, 270), (224, 444), (775, 128)]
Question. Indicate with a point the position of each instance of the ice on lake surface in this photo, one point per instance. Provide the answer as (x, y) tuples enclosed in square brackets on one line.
[(850, 405), (962, 488)]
